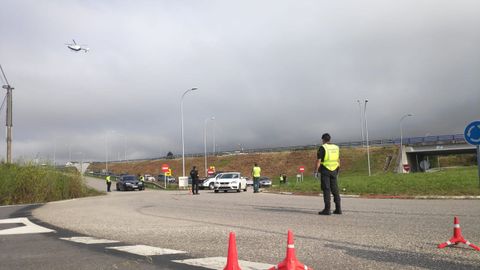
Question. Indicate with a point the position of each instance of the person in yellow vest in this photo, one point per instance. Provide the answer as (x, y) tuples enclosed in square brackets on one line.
[(328, 164), (109, 182), (256, 171)]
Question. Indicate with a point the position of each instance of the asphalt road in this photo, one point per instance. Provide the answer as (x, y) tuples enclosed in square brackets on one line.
[(20, 250), (371, 234)]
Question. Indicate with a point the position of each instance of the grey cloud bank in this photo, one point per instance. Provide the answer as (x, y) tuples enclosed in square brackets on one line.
[(273, 73)]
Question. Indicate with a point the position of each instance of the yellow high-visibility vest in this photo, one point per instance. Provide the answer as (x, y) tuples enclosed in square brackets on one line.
[(256, 171), (108, 179), (332, 155)]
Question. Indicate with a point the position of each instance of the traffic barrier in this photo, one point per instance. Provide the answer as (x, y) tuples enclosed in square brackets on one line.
[(232, 258), (457, 237), (290, 262)]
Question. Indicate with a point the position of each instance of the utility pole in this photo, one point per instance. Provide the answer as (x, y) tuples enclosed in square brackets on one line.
[(9, 122)]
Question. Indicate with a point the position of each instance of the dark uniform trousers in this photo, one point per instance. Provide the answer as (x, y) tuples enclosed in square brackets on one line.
[(194, 186), (330, 185)]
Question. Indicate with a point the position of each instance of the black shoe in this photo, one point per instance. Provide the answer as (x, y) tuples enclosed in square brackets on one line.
[(337, 212), (325, 213)]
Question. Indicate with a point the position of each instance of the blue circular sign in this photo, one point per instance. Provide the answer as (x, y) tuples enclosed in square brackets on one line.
[(472, 133)]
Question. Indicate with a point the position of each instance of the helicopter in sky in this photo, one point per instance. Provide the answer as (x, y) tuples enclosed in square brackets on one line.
[(76, 47)]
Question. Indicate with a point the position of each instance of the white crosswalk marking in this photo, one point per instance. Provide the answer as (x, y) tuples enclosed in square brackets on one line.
[(143, 250), (28, 227), (89, 240), (220, 262)]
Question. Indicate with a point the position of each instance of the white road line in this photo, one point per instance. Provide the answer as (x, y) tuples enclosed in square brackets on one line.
[(89, 240), (28, 227), (143, 250), (220, 262)]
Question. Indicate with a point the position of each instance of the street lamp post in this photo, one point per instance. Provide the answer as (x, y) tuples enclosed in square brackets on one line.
[(205, 141), (214, 143), (361, 122), (106, 153), (69, 152), (400, 169), (366, 134), (183, 139), (125, 147)]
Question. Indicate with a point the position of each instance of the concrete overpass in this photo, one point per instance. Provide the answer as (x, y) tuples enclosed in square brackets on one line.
[(416, 150)]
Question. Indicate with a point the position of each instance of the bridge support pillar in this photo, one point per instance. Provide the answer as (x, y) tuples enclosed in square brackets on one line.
[(403, 164)]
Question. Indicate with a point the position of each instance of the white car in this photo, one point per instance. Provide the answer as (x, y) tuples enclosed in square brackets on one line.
[(230, 181), (149, 178), (209, 182)]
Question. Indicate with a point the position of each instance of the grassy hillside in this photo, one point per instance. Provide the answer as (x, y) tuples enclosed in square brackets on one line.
[(353, 160), (37, 184)]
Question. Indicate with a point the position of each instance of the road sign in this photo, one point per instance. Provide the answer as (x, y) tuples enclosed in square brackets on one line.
[(472, 133), (406, 167), (165, 168), (210, 171), (169, 172), (472, 136), (301, 169)]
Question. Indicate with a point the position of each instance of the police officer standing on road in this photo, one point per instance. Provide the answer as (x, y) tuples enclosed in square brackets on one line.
[(327, 164), (109, 182), (256, 177), (194, 175)]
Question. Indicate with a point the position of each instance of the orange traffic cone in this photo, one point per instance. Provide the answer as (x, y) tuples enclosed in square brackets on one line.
[(232, 259), (290, 262), (457, 237)]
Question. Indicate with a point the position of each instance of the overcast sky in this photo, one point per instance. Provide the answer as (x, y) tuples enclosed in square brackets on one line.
[(272, 73)]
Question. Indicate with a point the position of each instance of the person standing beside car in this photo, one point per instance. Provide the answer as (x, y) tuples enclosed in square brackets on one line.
[(109, 182), (328, 164), (194, 176), (256, 172)]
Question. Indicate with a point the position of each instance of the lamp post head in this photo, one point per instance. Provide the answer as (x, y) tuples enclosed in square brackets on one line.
[(194, 88)]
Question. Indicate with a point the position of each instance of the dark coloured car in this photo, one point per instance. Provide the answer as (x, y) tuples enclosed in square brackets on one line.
[(129, 182)]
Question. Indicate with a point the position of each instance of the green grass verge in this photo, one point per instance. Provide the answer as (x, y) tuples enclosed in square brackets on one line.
[(448, 182), (38, 184)]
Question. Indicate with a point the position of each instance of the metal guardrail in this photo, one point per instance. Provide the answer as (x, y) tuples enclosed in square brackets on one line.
[(441, 139), (426, 140)]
